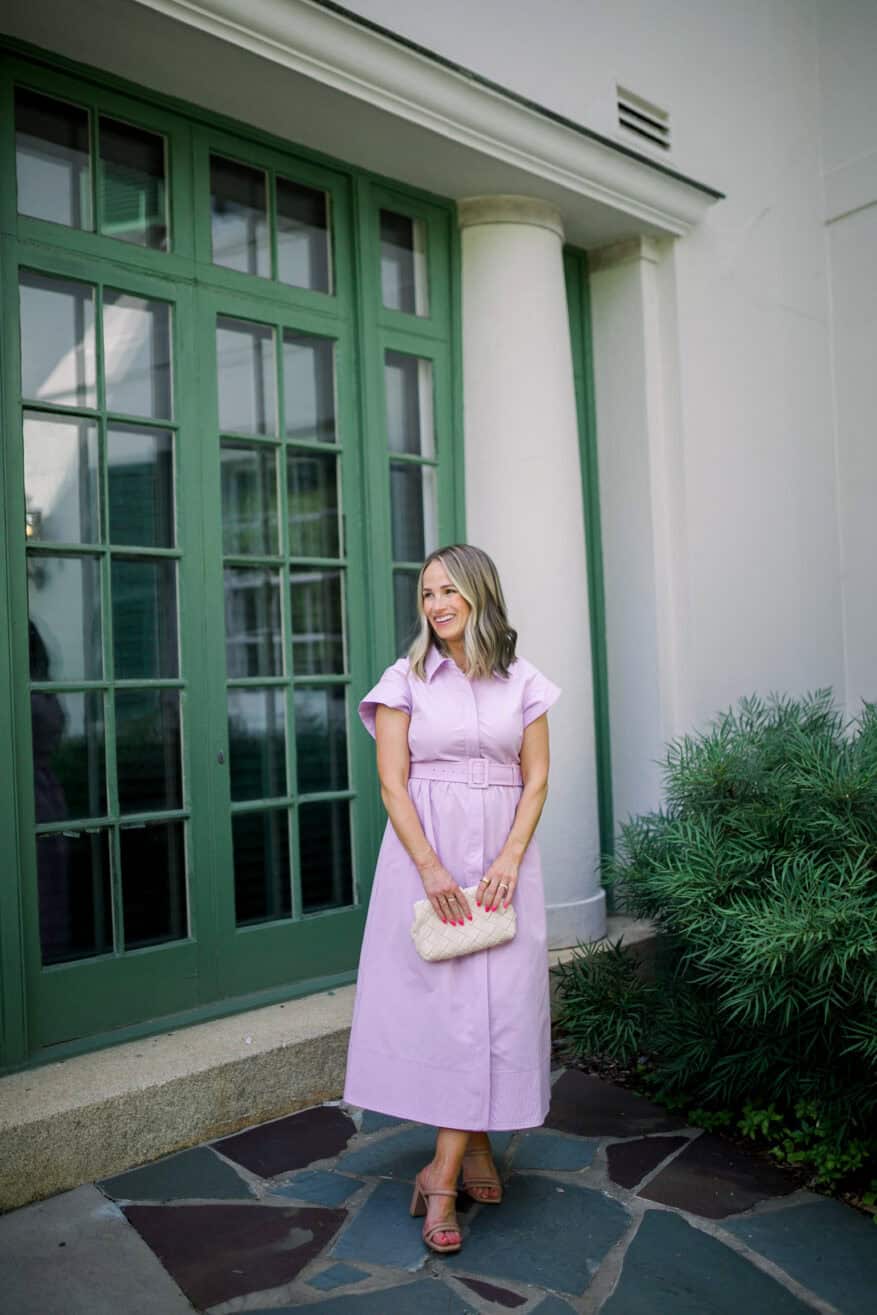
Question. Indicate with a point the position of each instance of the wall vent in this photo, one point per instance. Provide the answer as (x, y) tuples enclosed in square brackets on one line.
[(643, 118)]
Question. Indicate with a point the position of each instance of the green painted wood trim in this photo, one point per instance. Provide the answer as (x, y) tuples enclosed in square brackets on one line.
[(181, 1019), (578, 300), (13, 1027)]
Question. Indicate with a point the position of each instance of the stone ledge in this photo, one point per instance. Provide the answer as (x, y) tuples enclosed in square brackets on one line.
[(98, 1114), (95, 1115)]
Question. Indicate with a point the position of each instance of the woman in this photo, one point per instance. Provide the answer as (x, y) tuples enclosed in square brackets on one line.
[(462, 746)]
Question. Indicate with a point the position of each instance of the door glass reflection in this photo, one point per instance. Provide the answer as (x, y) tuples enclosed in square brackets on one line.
[(404, 283), (64, 610), (324, 846), (137, 355), (52, 159), (412, 511), (148, 750), (133, 185), (76, 910), (245, 366), (302, 236), (58, 362), (312, 490), (153, 860), (321, 738), (309, 387), (257, 743), (60, 479), (239, 217), (68, 755), (144, 594), (140, 476), (408, 383), (262, 887), (249, 499), (316, 611), (405, 609), (253, 636)]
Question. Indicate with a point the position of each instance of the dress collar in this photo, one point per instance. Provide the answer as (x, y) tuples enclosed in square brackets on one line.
[(434, 660)]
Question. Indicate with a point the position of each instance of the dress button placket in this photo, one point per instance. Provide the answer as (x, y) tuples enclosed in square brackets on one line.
[(475, 871)]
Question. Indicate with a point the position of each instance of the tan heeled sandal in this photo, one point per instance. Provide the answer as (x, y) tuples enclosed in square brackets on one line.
[(420, 1206), (474, 1181)]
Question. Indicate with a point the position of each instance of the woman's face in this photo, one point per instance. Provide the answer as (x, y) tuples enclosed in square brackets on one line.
[(445, 609)]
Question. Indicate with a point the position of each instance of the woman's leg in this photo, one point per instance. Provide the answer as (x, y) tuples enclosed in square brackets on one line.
[(443, 1171), (480, 1165)]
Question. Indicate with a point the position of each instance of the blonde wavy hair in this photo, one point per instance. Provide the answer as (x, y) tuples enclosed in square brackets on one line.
[(488, 640)]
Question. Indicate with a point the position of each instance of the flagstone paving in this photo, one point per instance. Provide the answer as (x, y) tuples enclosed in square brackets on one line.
[(614, 1207)]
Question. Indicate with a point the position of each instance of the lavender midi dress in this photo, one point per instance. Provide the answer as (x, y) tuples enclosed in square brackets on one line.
[(463, 1043)]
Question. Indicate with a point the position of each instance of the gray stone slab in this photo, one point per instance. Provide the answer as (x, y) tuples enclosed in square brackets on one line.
[(427, 1296), (554, 1150), (336, 1276), (319, 1186), (630, 1161), (196, 1175), (826, 1246), (76, 1254), (552, 1306), (382, 1231), (374, 1122), (592, 1107), (546, 1234), (494, 1295), (403, 1154), (673, 1269), (714, 1178)]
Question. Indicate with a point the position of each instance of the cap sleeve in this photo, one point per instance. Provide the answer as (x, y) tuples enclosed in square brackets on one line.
[(391, 690), (540, 694)]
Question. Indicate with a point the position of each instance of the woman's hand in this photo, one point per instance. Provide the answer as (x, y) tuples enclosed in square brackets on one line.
[(497, 886), (443, 893)]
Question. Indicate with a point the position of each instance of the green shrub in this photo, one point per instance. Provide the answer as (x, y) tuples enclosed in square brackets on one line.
[(761, 875)]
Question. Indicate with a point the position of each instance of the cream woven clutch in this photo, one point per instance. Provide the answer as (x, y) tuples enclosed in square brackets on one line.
[(434, 940)]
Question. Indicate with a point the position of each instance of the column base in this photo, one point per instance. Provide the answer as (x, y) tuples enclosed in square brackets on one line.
[(582, 920)]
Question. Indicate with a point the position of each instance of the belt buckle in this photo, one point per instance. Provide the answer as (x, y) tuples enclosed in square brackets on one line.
[(478, 773)]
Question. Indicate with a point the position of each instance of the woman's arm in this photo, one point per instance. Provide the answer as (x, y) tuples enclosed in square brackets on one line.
[(391, 733), (503, 871)]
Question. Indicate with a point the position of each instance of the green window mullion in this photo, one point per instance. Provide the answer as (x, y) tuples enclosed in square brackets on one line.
[(271, 199), (330, 562), (302, 681), (142, 422), (257, 682), (93, 173), (48, 548), (412, 459), (276, 804), (326, 796), (285, 601), (273, 563), (84, 412), (313, 445), (88, 825)]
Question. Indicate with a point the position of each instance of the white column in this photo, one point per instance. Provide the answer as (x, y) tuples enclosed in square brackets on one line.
[(524, 507), (642, 509)]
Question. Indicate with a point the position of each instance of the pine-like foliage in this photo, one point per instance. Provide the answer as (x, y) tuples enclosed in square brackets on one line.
[(761, 874)]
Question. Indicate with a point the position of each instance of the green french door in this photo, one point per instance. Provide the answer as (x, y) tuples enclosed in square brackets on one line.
[(286, 572), (111, 470), (229, 438)]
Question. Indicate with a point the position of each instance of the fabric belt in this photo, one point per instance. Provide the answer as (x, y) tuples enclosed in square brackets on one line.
[(477, 773)]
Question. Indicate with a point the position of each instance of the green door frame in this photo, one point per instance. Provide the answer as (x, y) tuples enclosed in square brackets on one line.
[(325, 944), (579, 305)]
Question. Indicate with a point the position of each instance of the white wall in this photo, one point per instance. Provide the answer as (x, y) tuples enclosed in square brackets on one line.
[(848, 65), (742, 433)]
